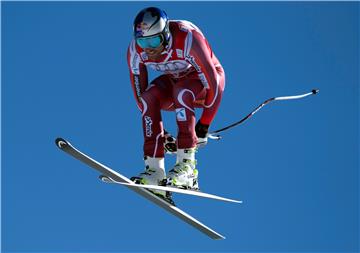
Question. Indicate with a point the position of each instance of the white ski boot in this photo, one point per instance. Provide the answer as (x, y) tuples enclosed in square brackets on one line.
[(154, 174), (184, 175)]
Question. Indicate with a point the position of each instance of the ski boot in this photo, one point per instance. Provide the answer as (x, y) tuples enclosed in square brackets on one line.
[(154, 174), (184, 175)]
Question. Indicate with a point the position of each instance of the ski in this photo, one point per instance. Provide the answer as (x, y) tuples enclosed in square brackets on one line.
[(171, 189), (104, 170)]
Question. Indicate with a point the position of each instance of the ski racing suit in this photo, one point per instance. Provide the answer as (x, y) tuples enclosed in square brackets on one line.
[(192, 77)]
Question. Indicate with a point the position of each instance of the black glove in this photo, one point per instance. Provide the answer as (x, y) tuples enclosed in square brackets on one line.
[(201, 130)]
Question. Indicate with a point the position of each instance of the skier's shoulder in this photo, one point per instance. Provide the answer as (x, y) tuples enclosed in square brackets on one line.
[(183, 26), (185, 33)]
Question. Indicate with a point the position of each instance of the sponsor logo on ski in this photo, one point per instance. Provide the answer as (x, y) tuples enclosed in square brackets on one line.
[(148, 124), (180, 114)]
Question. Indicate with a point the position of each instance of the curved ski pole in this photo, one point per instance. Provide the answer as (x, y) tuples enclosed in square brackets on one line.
[(215, 136)]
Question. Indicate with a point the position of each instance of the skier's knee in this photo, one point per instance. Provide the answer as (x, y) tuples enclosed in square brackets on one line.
[(184, 98)]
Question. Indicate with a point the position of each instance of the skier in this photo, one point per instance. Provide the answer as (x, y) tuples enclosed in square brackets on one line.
[(192, 77)]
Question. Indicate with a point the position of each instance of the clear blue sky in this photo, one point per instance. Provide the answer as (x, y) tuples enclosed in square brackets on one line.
[(295, 164)]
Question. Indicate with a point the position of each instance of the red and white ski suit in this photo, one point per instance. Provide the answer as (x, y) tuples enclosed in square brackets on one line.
[(192, 77)]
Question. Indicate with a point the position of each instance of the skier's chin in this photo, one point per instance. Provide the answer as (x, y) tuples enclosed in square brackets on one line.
[(154, 56), (154, 53)]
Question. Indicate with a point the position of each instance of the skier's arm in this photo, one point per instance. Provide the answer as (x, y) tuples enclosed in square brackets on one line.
[(138, 74), (200, 57)]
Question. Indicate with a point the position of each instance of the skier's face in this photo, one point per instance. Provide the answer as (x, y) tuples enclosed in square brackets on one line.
[(154, 52)]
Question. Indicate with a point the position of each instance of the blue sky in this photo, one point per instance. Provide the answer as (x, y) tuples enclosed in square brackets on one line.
[(295, 164)]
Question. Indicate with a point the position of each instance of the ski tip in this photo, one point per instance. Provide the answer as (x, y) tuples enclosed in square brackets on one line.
[(61, 143), (315, 91)]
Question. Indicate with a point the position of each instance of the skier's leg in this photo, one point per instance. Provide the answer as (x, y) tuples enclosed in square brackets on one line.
[(155, 98), (185, 93)]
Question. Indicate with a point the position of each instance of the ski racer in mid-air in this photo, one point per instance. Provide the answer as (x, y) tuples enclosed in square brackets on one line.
[(192, 77)]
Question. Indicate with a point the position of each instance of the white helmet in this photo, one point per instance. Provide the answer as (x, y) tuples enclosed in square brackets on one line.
[(151, 28)]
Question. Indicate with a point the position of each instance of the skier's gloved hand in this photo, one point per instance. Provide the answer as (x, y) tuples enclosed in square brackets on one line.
[(169, 143), (202, 133)]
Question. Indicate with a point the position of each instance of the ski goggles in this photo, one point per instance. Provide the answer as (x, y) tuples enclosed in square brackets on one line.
[(150, 42)]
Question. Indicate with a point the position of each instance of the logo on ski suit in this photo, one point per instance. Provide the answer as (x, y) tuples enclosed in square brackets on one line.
[(148, 124), (180, 114)]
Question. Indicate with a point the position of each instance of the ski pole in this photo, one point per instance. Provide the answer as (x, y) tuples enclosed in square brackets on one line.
[(215, 136)]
